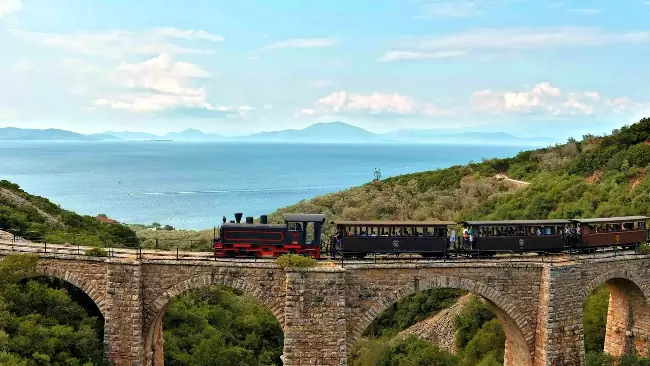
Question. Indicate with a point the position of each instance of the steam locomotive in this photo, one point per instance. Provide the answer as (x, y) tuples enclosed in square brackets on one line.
[(237, 239), (301, 233)]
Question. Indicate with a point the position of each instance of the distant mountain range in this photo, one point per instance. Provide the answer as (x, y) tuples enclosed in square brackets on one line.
[(318, 133)]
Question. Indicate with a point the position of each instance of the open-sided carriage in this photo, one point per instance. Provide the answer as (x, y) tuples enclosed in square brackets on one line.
[(626, 231), (517, 235), (360, 238)]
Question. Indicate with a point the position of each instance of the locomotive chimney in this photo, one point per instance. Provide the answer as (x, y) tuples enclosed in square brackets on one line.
[(238, 216), (249, 219), (264, 219)]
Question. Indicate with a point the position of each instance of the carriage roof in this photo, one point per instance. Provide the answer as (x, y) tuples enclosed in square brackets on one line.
[(394, 223), (605, 220), (516, 222)]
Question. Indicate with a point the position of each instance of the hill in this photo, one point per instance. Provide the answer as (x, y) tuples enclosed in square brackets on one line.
[(596, 176), (319, 132), (13, 133), (37, 218)]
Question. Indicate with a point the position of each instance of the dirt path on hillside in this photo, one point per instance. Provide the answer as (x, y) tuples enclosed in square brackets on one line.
[(19, 201), (506, 178)]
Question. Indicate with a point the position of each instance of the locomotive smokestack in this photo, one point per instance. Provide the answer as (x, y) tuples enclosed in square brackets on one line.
[(264, 219), (238, 216), (249, 219)]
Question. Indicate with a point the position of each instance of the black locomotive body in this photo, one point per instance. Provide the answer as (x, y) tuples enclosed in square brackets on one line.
[(249, 239)]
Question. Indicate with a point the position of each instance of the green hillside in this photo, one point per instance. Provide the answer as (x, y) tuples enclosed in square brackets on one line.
[(37, 218), (597, 176)]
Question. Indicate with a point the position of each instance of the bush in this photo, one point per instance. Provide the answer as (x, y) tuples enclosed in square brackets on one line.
[(295, 261), (96, 252)]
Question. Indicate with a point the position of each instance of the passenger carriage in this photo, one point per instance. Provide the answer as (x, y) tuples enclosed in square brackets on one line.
[(517, 235), (626, 231), (359, 238)]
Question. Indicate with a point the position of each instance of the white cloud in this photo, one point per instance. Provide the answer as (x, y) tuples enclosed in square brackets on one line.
[(449, 9), (78, 65), (586, 11), (162, 84), (375, 104), (268, 106), (9, 6), (302, 43), (544, 98), (497, 40), (408, 55), (118, 43), (319, 83), (21, 66), (7, 114)]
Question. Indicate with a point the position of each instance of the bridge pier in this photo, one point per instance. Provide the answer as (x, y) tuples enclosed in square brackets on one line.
[(123, 317), (628, 318), (314, 318)]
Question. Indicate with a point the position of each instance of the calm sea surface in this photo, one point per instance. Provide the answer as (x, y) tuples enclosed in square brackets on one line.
[(191, 185)]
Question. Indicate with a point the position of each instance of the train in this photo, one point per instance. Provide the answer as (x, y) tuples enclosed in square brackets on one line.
[(301, 234)]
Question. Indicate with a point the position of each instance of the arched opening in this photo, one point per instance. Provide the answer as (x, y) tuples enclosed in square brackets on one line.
[(616, 320), (213, 323), (48, 320), (473, 325)]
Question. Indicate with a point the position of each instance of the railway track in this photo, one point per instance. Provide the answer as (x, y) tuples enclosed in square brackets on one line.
[(9, 245)]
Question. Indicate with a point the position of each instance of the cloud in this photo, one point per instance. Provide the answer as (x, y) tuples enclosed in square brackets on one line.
[(7, 114), (162, 84), (319, 83), (449, 9), (302, 43), (9, 6), (498, 40), (21, 66), (119, 43), (375, 104), (586, 11), (544, 98), (409, 55)]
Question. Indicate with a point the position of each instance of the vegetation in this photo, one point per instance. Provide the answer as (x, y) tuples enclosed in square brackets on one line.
[(164, 239), (295, 261), (220, 326), (37, 218), (40, 321), (597, 176), (96, 252), (479, 336)]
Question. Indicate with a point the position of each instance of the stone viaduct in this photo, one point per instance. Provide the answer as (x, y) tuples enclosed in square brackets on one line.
[(324, 310)]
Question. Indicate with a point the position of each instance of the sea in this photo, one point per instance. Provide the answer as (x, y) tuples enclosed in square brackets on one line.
[(191, 185)]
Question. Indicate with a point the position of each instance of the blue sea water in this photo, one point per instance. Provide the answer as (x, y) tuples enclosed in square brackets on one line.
[(191, 185)]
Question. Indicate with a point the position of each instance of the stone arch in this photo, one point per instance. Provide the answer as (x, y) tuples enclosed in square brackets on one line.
[(94, 294), (519, 333), (154, 316), (628, 312), (621, 273)]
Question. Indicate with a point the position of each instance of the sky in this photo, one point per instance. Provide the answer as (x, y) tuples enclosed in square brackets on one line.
[(533, 68)]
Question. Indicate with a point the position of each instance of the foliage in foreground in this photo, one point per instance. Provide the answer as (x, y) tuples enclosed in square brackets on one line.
[(479, 335), (40, 323), (219, 326), (295, 261)]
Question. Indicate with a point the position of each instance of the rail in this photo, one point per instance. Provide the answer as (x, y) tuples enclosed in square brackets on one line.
[(15, 244)]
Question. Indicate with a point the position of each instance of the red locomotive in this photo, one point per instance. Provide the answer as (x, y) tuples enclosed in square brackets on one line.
[(249, 239)]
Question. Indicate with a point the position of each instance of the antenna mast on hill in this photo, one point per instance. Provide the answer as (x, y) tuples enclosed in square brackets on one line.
[(377, 175)]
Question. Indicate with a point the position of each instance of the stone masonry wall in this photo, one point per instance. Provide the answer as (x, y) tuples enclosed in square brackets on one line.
[(324, 310), (315, 322)]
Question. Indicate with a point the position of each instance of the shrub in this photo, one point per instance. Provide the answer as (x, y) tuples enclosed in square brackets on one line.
[(296, 261), (96, 252)]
